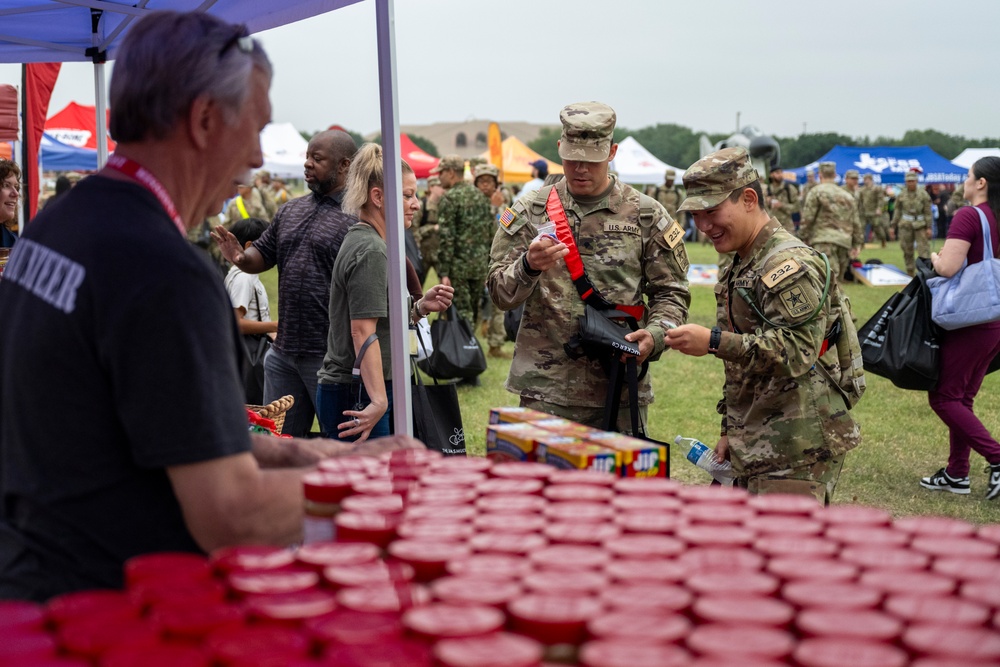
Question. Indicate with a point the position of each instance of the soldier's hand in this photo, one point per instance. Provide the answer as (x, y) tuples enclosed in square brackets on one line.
[(691, 339), (644, 340), (228, 244), (545, 252), (497, 199), (930, 233), (722, 449), (437, 299)]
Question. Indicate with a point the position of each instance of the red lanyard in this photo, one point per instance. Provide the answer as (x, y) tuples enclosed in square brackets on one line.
[(132, 168)]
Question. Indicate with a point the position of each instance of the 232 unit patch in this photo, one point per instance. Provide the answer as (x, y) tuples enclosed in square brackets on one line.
[(780, 272), (673, 235)]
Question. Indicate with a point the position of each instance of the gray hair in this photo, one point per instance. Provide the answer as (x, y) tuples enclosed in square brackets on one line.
[(169, 59)]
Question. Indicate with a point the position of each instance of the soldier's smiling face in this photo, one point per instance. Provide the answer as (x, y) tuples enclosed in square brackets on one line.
[(728, 225)]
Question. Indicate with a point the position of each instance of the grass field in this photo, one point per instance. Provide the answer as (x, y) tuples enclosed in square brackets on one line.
[(902, 438)]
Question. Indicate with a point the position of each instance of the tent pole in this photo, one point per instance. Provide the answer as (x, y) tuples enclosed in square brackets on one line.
[(398, 313), (102, 114)]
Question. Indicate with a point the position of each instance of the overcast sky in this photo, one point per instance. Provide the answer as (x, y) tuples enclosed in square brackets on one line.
[(861, 68)]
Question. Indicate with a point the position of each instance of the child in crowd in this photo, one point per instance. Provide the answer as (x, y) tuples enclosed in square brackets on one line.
[(247, 293)]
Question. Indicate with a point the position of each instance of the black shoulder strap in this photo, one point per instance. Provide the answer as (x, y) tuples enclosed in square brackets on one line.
[(356, 371)]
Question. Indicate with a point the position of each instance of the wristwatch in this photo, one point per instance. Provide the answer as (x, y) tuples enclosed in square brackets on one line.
[(714, 340)]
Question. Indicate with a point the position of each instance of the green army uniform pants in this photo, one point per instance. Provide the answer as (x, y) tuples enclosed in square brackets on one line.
[(907, 235), (879, 226), (838, 256), (593, 417), (817, 480)]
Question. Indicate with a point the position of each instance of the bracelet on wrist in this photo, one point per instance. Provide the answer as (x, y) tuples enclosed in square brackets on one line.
[(714, 340)]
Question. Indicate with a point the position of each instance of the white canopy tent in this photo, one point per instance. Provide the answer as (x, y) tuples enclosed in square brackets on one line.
[(636, 165), (82, 30), (966, 158), (284, 150)]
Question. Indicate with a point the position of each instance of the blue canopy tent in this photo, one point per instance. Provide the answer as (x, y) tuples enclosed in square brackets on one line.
[(888, 164), (57, 156)]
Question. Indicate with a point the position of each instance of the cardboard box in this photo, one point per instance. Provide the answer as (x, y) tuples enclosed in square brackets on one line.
[(574, 454), (516, 415), (565, 427), (640, 458), (512, 442)]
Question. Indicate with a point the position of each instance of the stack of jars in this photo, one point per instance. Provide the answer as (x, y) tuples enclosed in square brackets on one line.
[(467, 563)]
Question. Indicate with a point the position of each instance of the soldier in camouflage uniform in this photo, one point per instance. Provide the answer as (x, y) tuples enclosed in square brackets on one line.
[(249, 203), (810, 184), (486, 180), (830, 221), (466, 227), (872, 207), (632, 251), (786, 422), (912, 221), (783, 199), (425, 227), (670, 194), (851, 184)]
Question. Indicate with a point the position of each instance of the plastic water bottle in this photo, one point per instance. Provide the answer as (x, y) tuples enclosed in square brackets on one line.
[(703, 456)]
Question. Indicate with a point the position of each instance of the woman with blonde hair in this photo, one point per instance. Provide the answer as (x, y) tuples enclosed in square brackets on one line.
[(359, 307)]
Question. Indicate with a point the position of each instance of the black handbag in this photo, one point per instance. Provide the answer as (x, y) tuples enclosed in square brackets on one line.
[(437, 416), (255, 347), (900, 342), (456, 353)]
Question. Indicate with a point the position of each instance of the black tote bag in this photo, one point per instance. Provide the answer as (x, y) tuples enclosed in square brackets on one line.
[(437, 416), (456, 353), (256, 346), (900, 342)]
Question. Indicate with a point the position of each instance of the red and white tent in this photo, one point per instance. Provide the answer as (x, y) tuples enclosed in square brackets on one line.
[(421, 162), (76, 125)]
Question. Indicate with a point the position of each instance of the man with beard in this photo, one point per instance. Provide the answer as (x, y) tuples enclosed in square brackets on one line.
[(303, 242)]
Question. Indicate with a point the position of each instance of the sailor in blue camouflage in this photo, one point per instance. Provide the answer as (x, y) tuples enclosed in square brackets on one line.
[(786, 421), (632, 250)]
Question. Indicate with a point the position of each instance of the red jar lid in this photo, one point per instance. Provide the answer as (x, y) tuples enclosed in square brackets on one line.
[(792, 545), (968, 569), (701, 559), (959, 642), (21, 616), (451, 480), (720, 583), (427, 557), (160, 655), (291, 608), (498, 522), (779, 524), (441, 496), (17, 648), (369, 504), (324, 554), (647, 503), (862, 624), (985, 592), (570, 557), (647, 521), (553, 619), (565, 582), (659, 597), (640, 626), (581, 512), (588, 477), (804, 568), (712, 513), (564, 532), (346, 626), (471, 590), (712, 494), (462, 463), (367, 574), (831, 595), (47, 662), (153, 592), (92, 637), (237, 646), (944, 661), (433, 512), (723, 661), (445, 621), (508, 543), (404, 472), (990, 533), (853, 515), (347, 464), (383, 598), (626, 653), (90, 604), (409, 652), (635, 571), (489, 567), (377, 529), (435, 531), (166, 565), (919, 608), (501, 649), (742, 609), (716, 536), (251, 558), (510, 486), (511, 503), (889, 580), (737, 641), (934, 526), (378, 487), (969, 547), (325, 487), (641, 546), (840, 652), (784, 504), (885, 558), (410, 457), (192, 623), (647, 485), (522, 470), (270, 583), (578, 492), (870, 536)]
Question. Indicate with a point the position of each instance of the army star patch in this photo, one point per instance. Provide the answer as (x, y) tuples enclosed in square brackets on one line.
[(507, 217), (796, 301)]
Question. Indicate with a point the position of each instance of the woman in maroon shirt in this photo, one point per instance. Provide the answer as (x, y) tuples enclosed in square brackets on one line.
[(966, 353)]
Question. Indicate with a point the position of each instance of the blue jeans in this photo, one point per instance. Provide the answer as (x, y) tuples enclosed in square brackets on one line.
[(333, 399), (286, 374)]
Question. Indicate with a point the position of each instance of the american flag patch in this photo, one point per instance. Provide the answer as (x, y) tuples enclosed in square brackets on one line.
[(507, 217)]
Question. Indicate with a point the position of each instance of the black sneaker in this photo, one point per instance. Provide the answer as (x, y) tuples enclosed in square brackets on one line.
[(993, 485), (942, 481)]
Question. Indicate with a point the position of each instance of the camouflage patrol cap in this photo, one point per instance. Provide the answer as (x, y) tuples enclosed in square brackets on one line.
[(714, 177), (851, 173), (912, 176), (827, 168), (487, 170), (432, 181), (587, 131), (476, 161), (670, 175), (453, 162)]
